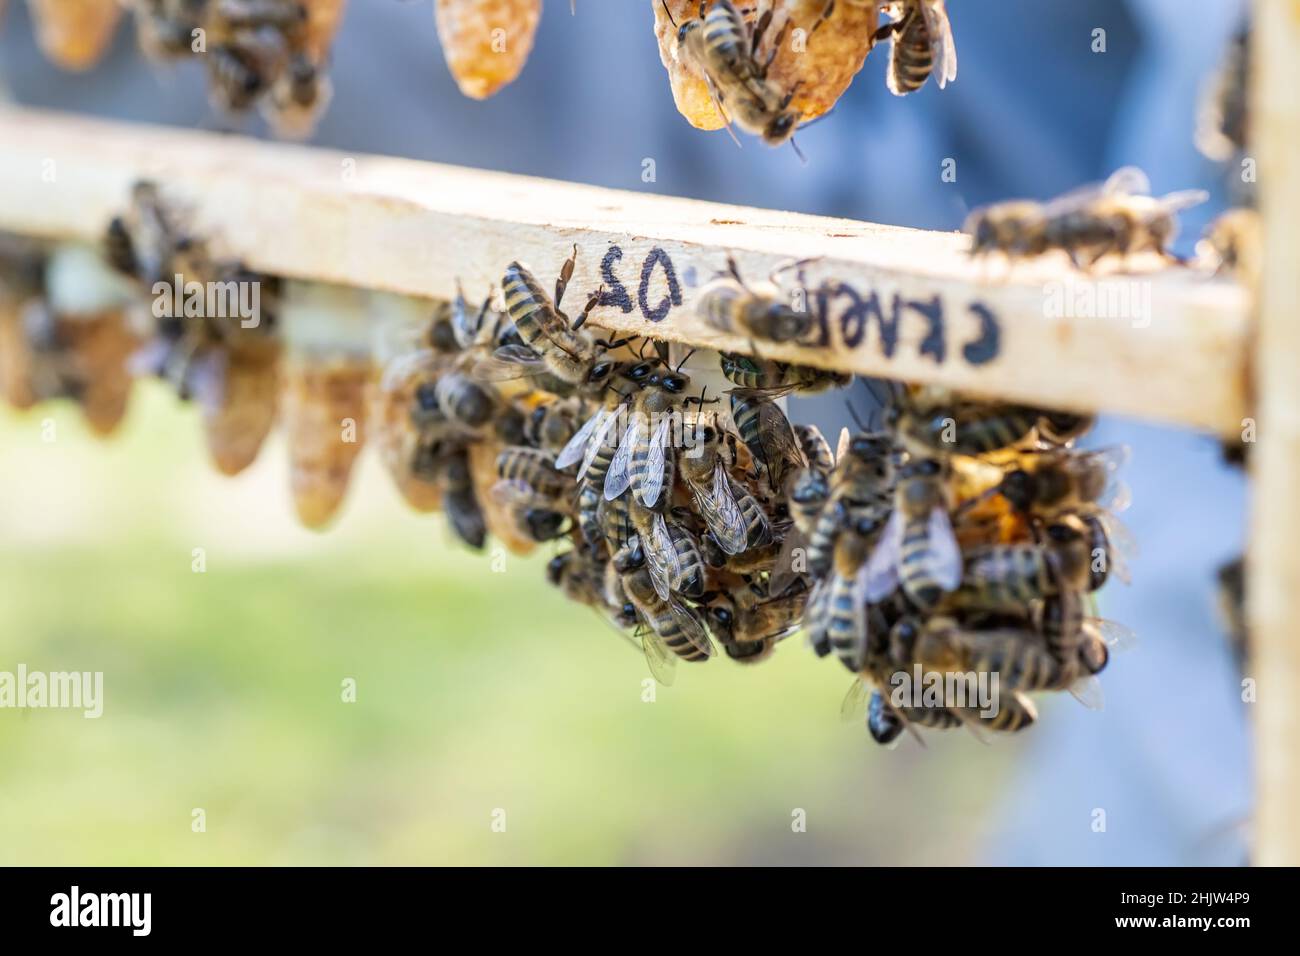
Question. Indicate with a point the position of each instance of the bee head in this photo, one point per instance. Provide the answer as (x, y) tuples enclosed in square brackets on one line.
[(781, 128), (442, 337), (1018, 489), (426, 398), (903, 637), (600, 372), (978, 227), (556, 567), (639, 372), (674, 383)]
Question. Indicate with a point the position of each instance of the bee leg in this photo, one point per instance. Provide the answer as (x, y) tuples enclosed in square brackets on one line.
[(566, 273), (827, 12), (764, 21), (586, 311), (776, 47)]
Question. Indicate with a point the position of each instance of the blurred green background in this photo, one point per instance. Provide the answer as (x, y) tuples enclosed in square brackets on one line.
[(475, 691)]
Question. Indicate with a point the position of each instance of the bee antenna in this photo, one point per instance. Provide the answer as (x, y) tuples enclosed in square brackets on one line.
[(685, 360), (668, 12), (854, 413), (798, 152)]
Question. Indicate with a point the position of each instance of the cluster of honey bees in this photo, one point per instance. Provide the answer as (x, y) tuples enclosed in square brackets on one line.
[(771, 67), (951, 535), (266, 54)]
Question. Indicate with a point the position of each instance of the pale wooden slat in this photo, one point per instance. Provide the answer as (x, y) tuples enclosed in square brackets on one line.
[(1274, 560), (415, 227)]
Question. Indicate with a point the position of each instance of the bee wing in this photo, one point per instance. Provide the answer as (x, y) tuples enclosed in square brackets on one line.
[(942, 48), (855, 701), (1087, 691), (783, 573), (516, 491), (1122, 543), (842, 447), (1116, 635), (692, 627), (661, 661), (652, 483), (576, 447), (881, 567), (718, 508), (661, 557), (945, 553), (598, 441), (1127, 181), (619, 476), (509, 362), (1183, 199), (399, 370)]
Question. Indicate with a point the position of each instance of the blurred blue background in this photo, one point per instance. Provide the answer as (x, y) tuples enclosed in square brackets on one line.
[(1034, 112)]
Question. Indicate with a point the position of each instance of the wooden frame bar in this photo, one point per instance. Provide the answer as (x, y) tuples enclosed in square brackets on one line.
[(906, 304)]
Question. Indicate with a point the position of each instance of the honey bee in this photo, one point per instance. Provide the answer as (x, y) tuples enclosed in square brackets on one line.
[(671, 629), (729, 305), (249, 47), (537, 517), (645, 460), (1121, 222), (298, 97), (166, 29), (460, 499), (535, 468), (1223, 120), (918, 548), (1119, 217), (862, 485), (1047, 483), (847, 592), (672, 555), (998, 576), (1232, 242), (735, 520), (229, 367), (921, 44), (768, 435), (722, 48), (549, 344), (749, 634), (932, 422)]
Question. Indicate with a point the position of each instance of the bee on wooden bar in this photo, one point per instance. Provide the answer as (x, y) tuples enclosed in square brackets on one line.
[(1232, 243), (550, 343), (921, 45), (729, 305)]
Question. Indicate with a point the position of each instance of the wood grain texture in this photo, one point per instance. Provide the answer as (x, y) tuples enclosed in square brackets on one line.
[(1273, 565), (903, 303)]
